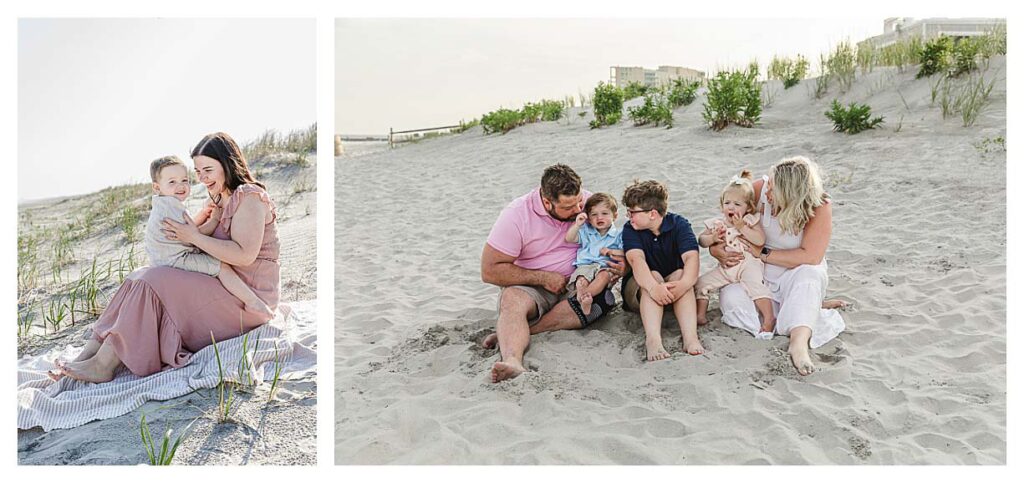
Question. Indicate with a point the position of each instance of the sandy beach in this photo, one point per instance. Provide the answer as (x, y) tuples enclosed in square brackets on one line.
[(918, 247), (281, 432)]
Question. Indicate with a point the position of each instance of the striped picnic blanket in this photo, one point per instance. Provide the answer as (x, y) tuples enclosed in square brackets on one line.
[(68, 403)]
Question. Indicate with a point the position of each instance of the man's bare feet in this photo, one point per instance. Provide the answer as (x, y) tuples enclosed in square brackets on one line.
[(801, 360), (88, 371), (506, 370), (694, 348), (834, 304), (491, 341), (586, 302), (656, 351)]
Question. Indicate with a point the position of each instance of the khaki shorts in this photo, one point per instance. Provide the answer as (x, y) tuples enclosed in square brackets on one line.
[(631, 295), (588, 272), (196, 261), (543, 299)]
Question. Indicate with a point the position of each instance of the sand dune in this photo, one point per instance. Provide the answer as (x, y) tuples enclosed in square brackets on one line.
[(918, 247)]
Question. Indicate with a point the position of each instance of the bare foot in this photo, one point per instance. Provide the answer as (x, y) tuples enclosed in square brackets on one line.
[(656, 351), (57, 373), (802, 361), (506, 370), (491, 341), (702, 319), (586, 302), (768, 325), (88, 371), (693, 347), (834, 304)]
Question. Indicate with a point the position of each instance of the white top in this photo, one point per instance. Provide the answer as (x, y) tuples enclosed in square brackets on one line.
[(160, 249)]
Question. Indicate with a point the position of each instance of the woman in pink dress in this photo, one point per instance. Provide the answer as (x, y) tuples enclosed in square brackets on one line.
[(161, 315)]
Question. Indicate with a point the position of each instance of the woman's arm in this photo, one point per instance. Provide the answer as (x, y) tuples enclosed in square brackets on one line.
[(753, 233), (247, 229), (817, 234)]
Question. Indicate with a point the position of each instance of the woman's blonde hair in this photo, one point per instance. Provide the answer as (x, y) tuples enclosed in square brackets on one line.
[(796, 192), (744, 183)]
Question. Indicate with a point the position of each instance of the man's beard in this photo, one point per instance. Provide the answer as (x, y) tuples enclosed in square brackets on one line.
[(553, 215)]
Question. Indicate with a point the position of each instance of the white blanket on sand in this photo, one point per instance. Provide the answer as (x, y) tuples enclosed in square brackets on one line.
[(68, 403)]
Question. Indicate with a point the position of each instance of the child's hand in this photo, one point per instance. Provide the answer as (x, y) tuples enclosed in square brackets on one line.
[(581, 219), (604, 252), (737, 221), (719, 234), (661, 294)]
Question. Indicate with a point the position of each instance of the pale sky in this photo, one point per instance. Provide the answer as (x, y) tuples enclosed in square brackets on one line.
[(98, 99), (418, 73)]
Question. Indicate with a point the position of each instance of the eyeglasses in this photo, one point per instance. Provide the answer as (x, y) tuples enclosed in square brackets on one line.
[(633, 212)]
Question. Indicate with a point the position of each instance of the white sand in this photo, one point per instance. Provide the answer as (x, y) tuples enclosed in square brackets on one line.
[(282, 432), (918, 245)]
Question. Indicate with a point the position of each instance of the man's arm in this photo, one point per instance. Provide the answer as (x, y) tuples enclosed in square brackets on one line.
[(497, 268)]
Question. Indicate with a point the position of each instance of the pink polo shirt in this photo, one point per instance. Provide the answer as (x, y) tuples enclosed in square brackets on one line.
[(525, 230)]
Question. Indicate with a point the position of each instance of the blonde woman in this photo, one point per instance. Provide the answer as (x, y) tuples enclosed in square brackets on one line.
[(797, 220)]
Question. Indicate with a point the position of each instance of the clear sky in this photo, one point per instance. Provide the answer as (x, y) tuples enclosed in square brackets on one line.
[(417, 73), (100, 98)]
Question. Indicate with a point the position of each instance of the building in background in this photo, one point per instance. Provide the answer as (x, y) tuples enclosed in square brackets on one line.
[(899, 28), (664, 74)]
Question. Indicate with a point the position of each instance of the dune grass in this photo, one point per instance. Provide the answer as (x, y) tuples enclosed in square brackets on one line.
[(298, 143)]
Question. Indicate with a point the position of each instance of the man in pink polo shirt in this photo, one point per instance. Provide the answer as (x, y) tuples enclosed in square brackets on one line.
[(527, 256)]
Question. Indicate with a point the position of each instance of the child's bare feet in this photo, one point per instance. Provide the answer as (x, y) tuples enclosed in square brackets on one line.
[(693, 347), (702, 319), (656, 351), (586, 302)]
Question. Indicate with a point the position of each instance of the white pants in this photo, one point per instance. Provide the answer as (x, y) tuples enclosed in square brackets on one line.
[(797, 294)]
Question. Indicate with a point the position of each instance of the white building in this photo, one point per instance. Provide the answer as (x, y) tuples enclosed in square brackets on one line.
[(621, 76), (899, 28)]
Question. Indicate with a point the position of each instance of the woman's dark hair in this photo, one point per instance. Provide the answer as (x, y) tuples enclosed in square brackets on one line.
[(221, 147)]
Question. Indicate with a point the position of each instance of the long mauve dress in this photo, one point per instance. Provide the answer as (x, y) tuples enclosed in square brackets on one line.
[(161, 315)]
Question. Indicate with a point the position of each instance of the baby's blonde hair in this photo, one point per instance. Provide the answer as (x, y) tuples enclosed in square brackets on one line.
[(744, 183), (796, 191)]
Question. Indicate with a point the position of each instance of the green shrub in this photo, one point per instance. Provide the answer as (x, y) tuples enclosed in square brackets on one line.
[(853, 119), (551, 110), (655, 109), (789, 71), (607, 104), (733, 97), (682, 92), (964, 56), (935, 56), (530, 113), (502, 120), (633, 90)]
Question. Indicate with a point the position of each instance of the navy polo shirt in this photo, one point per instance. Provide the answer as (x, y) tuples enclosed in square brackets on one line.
[(664, 253)]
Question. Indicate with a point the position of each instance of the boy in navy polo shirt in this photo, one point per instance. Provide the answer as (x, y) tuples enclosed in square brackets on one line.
[(661, 250)]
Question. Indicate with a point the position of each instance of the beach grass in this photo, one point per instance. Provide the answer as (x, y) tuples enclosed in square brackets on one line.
[(733, 97), (297, 143), (161, 454)]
